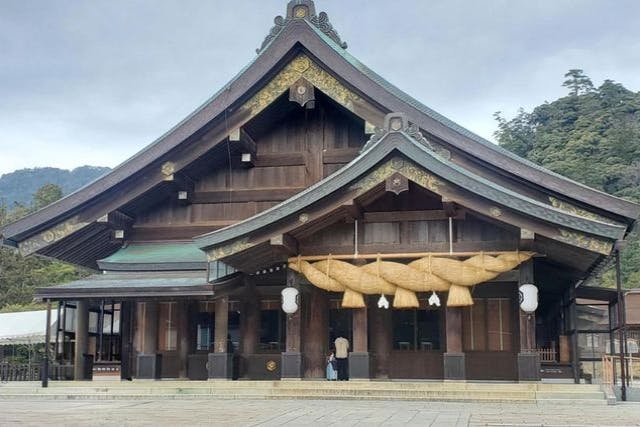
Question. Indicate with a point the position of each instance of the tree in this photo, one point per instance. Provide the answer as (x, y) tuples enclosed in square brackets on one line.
[(20, 276), (577, 82), (46, 195), (591, 136)]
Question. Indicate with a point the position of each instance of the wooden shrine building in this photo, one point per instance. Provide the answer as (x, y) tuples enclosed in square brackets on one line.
[(402, 232)]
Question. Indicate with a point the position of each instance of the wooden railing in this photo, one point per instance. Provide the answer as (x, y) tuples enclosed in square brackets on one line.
[(32, 372), (547, 354), (611, 370), (19, 372)]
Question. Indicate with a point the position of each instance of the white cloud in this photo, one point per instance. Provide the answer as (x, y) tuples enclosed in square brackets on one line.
[(93, 83)]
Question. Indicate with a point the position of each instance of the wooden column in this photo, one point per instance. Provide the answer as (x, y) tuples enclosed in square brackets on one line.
[(250, 320), (294, 323), (221, 361), (360, 330), (126, 339), (221, 325), (47, 347), (528, 359), (527, 320), (454, 358), (149, 327), (359, 357), (183, 337), (82, 336), (316, 333), (291, 363), (380, 320), (147, 360), (252, 366)]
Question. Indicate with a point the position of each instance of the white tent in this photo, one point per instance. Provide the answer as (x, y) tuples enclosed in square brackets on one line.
[(27, 327)]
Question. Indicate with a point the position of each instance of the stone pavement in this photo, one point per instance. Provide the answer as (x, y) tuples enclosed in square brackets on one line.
[(308, 412)]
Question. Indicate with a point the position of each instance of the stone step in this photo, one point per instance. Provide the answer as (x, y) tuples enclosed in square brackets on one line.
[(367, 390), (570, 395)]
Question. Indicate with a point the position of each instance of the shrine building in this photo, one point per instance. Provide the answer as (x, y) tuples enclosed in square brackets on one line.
[(436, 253)]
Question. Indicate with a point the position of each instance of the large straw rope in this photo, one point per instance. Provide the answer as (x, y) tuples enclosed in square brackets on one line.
[(431, 273)]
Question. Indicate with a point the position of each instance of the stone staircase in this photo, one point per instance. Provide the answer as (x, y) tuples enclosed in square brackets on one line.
[(532, 393)]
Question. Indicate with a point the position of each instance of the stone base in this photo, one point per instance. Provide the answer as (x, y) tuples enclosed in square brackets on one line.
[(220, 366), (359, 366), (291, 367), (454, 366), (197, 367), (149, 366), (528, 367)]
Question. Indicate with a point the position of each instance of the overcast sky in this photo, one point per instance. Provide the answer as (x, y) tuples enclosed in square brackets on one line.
[(93, 82)]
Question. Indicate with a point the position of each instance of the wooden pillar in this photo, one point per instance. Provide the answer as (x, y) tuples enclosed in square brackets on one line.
[(528, 359), (359, 357), (126, 339), (250, 320), (360, 330), (221, 361), (183, 337), (47, 347), (291, 362), (454, 358), (251, 366), (380, 320), (82, 337), (148, 362), (316, 333), (148, 327), (221, 325)]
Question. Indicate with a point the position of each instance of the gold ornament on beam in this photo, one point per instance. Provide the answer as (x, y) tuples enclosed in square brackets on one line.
[(430, 273)]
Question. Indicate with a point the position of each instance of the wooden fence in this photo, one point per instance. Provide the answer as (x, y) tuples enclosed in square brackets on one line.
[(547, 354), (611, 371), (19, 372), (32, 372)]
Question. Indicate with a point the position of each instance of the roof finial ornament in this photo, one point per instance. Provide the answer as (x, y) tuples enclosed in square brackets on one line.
[(303, 9), (398, 122)]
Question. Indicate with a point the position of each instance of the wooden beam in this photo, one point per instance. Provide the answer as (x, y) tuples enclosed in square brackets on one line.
[(285, 243), (369, 128), (339, 156), (182, 187), (527, 238), (118, 235), (397, 255), (450, 207), (116, 219), (248, 195), (426, 215), (153, 232), (280, 159), (353, 209), (243, 143)]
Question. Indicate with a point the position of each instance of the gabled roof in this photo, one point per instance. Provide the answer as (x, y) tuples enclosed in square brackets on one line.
[(314, 34), (445, 178)]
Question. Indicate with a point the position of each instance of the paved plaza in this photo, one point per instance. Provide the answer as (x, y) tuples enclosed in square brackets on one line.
[(308, 412)]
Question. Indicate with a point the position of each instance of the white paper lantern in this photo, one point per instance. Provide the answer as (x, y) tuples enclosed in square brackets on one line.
[(290, 300), (528, 298)]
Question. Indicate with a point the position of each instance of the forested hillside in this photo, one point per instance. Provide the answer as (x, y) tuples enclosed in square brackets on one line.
[(20, 276), (19, 186), (592, 135)]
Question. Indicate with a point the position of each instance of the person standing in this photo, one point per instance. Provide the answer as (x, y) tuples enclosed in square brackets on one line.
[(342, 353)]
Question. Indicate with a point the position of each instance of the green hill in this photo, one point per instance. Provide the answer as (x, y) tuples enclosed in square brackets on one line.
[(592, 135), (20, 186)]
